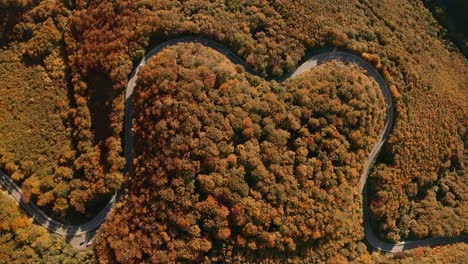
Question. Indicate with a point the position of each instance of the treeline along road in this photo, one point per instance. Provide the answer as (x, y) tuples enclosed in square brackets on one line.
[(79, 236)]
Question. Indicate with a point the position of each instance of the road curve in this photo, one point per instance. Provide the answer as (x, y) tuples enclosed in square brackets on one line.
[(80, 235)]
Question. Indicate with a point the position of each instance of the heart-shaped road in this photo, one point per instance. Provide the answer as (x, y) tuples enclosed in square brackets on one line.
[(80, 236)]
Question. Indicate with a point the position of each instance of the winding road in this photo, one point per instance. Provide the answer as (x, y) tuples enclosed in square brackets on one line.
[(79, 236)]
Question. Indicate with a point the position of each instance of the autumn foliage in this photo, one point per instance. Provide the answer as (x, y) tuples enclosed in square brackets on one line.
[(21, 241), (64, 66), (227, 163)]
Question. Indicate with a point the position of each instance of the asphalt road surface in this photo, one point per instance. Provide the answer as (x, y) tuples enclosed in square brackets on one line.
[(80, 236)]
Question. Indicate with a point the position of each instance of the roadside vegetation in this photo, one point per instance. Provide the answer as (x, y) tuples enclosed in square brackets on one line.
[(36, 148), (455, 253), (426, 149), (71, 61), (231, 167), (52, 147), (21, 241)]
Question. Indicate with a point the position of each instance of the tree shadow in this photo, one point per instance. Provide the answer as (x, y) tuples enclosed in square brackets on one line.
[(101, 93)]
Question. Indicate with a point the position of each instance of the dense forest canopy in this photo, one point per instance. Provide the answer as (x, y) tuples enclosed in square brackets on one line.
[(229, 166), (64, 66)]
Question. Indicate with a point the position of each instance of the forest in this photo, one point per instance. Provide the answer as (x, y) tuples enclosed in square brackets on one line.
[(24, 242), (64, 66), (232, 165)]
